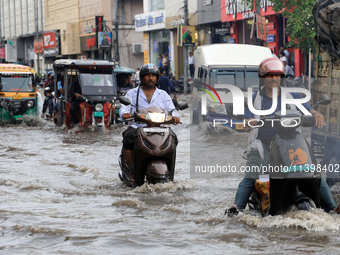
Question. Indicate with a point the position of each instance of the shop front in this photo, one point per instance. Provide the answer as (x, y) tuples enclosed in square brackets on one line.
[(245, 29), (209, 26), (156, 37)]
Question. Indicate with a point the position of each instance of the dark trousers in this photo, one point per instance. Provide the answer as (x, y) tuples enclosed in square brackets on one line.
[(74, 111), (192, 70)]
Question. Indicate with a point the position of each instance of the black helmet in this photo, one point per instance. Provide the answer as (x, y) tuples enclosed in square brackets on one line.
[(148, 68)]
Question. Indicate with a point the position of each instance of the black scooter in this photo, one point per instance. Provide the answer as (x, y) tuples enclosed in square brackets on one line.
[(155, 149), (293, 178)]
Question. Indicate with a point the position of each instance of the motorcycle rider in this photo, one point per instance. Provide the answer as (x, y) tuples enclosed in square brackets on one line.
[(143, 96), (271, 73)]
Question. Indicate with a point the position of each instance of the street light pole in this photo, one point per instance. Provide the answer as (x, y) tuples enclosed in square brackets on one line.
[(36, 6), (185, 50), (116, 30)]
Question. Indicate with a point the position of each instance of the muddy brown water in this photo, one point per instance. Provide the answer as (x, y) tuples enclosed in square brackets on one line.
[(60, 194)]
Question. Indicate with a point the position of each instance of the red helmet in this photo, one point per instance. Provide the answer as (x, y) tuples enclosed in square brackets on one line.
[(271, 65)]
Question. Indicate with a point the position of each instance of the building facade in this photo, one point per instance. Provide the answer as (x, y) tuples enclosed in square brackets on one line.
[(160, 23), (21, 25), (243, 21), (51, 29)]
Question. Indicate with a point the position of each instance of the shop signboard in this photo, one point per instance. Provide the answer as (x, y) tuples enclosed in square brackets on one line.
[(270, 38), (146, 48), (222, 31), (155, 46), (150, 21), (49, 40), (51, 44), (270, 26), (232, 10), (88, 43)]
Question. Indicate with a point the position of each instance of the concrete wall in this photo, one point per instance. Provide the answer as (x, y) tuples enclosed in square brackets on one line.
[(127, 35), (18, 17)]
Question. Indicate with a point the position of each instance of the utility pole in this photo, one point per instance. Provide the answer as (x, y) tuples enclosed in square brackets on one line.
[(185, 50), (36, 6), (1, 23), (116, 28)]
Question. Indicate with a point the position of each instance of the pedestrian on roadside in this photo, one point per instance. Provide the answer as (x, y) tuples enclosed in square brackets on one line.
[(165, 63), (160, 59), (165, 84), (191, 62), (46, 84)]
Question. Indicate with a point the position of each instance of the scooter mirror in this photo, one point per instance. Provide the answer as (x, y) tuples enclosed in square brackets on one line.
[(124, 100), (324, 99)]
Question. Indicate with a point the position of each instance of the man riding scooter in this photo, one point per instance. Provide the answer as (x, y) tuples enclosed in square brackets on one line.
[(271, 73), (143, 96)]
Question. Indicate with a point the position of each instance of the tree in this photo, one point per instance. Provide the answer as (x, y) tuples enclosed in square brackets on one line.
[(300, 23)]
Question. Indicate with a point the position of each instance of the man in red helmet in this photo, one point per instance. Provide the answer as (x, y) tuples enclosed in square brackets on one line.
[(271, 73), (143, 96)]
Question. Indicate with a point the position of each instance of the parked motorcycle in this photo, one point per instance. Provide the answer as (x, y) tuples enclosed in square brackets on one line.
[(293, 178), (155, 149), (179, 84)]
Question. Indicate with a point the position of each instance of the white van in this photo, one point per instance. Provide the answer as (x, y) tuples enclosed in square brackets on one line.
[(219, 64)]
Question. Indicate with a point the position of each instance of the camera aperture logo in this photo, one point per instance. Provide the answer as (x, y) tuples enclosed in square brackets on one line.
[(238, 106)]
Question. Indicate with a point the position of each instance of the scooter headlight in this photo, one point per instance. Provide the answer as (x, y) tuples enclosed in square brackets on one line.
[(98, 107), (157, 117), (30, 104)]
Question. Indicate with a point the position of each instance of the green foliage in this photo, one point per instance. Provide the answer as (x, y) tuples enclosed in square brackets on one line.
[(300, 23)]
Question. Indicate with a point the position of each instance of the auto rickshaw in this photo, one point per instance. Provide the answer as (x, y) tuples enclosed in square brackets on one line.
[(124, 79), (18, 93), (98, 92), (124, 83)]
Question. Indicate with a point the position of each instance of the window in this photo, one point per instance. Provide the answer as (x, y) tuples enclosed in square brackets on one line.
[(16, 83), (156, 5), (242, 78)]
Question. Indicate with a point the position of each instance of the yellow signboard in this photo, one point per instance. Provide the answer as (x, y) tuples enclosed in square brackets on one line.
[(146, 48)]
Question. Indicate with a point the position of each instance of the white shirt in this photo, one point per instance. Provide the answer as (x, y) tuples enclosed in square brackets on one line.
[(289, 71), (159, 98), (191, 60)]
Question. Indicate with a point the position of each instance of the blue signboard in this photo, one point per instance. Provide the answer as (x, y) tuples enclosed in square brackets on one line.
[(270, 38), (155, 46)]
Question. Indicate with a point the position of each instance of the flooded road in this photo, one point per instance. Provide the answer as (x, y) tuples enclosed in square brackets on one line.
[(60, 194)]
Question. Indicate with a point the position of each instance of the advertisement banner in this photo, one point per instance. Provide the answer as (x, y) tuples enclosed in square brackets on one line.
[(187, 36), (49, 40), (2, 53), (104, 39), (261, 27), (38, 47)]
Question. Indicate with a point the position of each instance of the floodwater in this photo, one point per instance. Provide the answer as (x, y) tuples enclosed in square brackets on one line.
[(60, 194)]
